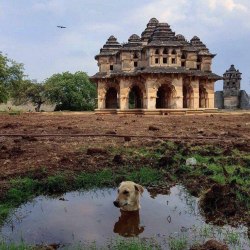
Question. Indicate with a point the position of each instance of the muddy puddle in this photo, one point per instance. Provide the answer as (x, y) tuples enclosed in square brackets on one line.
[(84, 217)]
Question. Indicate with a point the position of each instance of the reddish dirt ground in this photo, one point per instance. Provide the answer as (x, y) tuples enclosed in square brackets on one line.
[(20, 155)]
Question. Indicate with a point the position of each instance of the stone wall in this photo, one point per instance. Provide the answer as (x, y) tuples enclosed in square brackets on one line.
[(244, 100), (218, 100)]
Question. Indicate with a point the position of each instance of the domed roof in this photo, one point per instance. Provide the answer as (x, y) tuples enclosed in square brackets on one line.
[(146, 34), (180, 37), (111, 47), (112, 43), (232, 73), (134, 38), (195, 38), (232, 68), (153, 21), (163, 32), (197, 43)]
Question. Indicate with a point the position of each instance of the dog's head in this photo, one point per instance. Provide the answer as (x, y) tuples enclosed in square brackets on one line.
[(128, 196)]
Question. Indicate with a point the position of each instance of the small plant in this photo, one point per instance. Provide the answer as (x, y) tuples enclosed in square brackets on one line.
[(134, 244), (180, 243), (233, 238), (206, 231), (56, 184), (145, 176), (219, 178), (98, 179), (22, 246)]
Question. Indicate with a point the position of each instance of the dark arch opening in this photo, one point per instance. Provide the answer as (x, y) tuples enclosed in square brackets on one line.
[(135, 98), (111, 99), (165, 51), (157, 52), (135, 56), (173, 52), (163, 99)]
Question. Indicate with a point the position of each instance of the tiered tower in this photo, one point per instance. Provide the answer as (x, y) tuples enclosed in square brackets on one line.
[(231, 88)]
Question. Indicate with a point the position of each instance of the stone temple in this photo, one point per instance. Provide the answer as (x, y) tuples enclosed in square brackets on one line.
[(232, 97), (156, 72)]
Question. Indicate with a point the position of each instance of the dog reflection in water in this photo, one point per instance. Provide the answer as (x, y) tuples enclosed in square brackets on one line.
[(128, 224), (128, 200)]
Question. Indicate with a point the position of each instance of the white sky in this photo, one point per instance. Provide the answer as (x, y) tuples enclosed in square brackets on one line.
[(28, 31)]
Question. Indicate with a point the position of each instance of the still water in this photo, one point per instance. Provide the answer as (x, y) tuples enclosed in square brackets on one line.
[(83, 217)]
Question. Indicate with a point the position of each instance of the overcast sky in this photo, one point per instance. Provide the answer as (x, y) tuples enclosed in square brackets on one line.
[(28, 31)]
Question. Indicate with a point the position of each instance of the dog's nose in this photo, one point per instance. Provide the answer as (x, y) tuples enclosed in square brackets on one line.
[(116, 203)]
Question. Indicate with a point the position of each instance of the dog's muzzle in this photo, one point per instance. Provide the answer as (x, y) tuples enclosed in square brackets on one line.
[(116, 203)]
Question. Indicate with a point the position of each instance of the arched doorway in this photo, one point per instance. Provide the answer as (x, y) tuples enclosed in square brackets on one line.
[(111, 99), (203, 97), (164, 97), (188, 97), (135, 98)]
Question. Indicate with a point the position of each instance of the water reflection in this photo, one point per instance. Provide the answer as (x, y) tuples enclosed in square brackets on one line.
[(128, 224), (91, 216)]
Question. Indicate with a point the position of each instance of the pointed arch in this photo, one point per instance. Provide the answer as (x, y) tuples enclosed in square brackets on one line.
[(165, 96), (165, 51), (135, 97), (111, 98)]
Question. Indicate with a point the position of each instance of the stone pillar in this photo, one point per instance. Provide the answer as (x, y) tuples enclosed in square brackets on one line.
[(101, 95), (195, 86), (124, 94), (210, 91), (177, 99), (150, 94)]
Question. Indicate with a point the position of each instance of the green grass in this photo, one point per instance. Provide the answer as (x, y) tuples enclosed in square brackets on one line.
[(145, 176), (22, 246), (99, 179), (17, 112), (116, 244), (180, 243)]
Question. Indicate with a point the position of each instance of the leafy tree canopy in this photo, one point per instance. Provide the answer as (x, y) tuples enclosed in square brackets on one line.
[(11, 77), (71, 91)]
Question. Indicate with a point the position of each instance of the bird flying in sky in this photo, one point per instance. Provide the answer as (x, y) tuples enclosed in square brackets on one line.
[(61, 27)]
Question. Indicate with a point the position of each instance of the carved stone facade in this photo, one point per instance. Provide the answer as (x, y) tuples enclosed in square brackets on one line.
[(157, 71)]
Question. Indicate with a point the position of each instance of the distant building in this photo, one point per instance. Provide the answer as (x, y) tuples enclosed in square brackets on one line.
[(232, 97), (155, 71)]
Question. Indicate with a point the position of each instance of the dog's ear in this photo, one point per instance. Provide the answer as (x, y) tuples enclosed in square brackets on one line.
[(139, 188)]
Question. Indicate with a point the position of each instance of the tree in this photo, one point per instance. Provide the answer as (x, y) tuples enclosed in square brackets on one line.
[(11, 78), (71, 91), (35, 94)]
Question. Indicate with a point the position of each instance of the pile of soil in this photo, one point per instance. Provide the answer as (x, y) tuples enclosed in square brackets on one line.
[(219, 200)]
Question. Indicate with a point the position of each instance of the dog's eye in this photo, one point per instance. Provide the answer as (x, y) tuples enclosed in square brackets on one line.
[(126, 192), (118, 191)]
